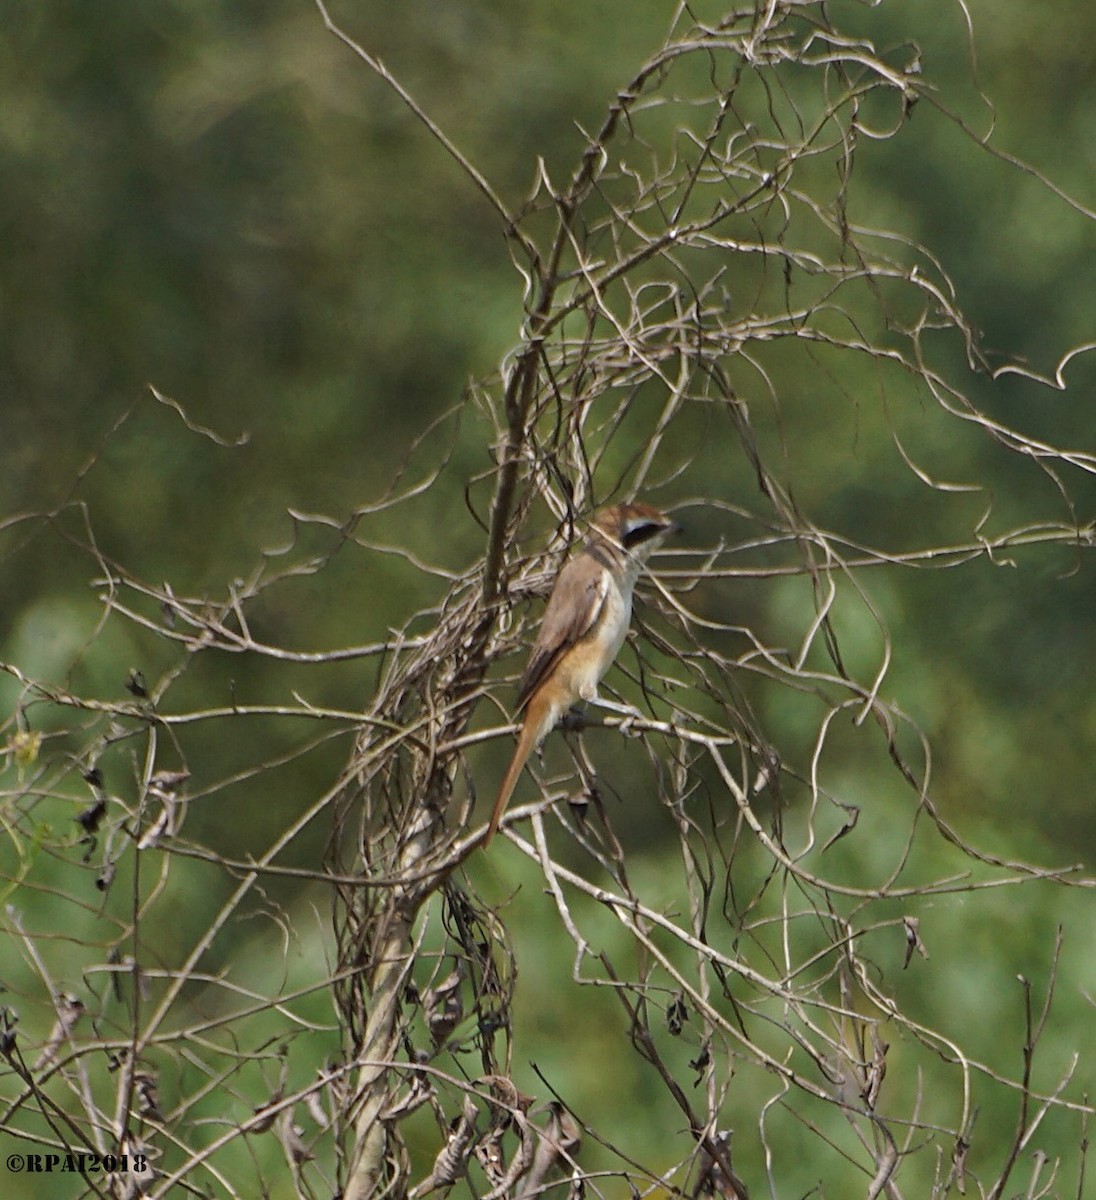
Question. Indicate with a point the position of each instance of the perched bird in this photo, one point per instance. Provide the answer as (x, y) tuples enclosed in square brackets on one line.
[(584, 626)]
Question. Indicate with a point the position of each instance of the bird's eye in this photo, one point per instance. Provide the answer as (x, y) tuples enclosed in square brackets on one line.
[(640, 532)]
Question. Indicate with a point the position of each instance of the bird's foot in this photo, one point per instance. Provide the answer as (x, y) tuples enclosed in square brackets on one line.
[(575, 719), (627, 713)]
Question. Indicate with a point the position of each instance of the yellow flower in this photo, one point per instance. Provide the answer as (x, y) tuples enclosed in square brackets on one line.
[(27, 744)]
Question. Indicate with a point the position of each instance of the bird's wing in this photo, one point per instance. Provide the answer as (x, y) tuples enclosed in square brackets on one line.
[(573, 609)]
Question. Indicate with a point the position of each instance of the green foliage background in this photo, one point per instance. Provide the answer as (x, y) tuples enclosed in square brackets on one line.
[(214, 197)]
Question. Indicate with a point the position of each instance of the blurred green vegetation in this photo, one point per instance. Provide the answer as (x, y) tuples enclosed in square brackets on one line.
[(217, 198)]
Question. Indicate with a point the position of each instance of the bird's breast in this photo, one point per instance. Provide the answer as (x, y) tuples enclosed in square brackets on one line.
[(589, 659), (616, 617)]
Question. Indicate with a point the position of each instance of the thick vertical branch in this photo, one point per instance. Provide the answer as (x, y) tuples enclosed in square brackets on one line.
[(440, 682), (391, 953)]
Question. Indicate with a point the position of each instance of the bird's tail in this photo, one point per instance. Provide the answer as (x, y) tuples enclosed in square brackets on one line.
[(532, 730)]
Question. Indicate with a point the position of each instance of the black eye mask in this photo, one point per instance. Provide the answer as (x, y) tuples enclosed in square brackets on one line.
[(638, 534)]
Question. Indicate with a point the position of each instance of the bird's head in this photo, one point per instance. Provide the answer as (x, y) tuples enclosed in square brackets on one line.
[(637, 529)]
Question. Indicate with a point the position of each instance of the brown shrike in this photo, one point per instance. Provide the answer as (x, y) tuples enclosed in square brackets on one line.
[(584, 627)]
